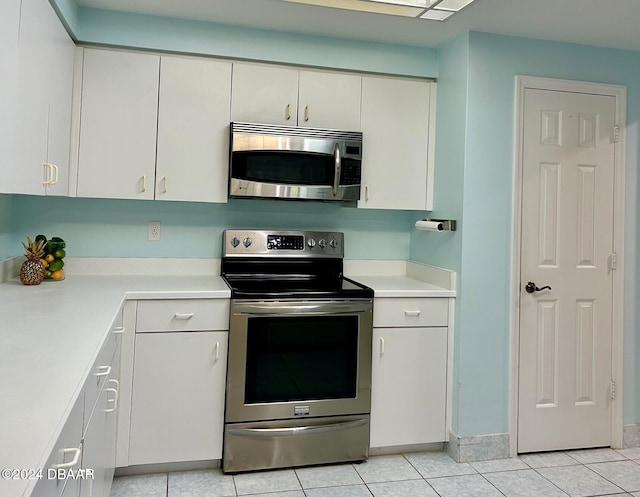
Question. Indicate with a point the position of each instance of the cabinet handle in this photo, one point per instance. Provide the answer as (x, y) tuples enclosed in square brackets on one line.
[(54, 168), (49, 175), (217, 351), (306, 112), (119, 330), (381, 349), (366, 193), (115, 395), (76, 451), (287, 112), (412, 314), (164, 184), (183, 316), (143, 183), (103, 371)]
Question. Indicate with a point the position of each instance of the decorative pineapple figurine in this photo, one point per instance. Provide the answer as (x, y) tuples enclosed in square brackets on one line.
[(32, 270)]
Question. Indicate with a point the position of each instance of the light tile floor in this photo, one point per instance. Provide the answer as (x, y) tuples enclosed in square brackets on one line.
[(582, 473)]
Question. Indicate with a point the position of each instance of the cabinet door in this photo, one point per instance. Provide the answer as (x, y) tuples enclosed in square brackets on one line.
[(396, 144), (99, 446), (264, 94), (193, 130), (329, 100), (119, 116), (177, 409), (60, 84), (408, 396), (9, 29), (65, 457), (32, 98)]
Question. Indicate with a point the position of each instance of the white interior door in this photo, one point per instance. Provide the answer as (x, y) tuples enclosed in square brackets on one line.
[(565, 365)]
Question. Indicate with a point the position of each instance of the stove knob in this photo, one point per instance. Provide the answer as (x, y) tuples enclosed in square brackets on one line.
[(235, 242), (322, 243), (333, 243), (311, 242), (246, 242)]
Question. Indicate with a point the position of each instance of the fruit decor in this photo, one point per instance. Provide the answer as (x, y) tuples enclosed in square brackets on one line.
[(52, 258), (32, 270)]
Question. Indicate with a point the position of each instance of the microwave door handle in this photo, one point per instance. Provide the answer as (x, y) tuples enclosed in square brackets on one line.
[(337, 167)]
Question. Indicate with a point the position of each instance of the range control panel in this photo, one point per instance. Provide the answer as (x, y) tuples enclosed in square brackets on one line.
[(283, 243)]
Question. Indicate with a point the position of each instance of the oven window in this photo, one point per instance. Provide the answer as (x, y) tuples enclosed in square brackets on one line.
[(301, 358)]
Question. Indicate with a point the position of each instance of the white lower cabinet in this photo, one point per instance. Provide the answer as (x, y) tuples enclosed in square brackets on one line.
[(65, 457), (409, 372), (408, 399), (177, 410), (83, 461), (99, 446)]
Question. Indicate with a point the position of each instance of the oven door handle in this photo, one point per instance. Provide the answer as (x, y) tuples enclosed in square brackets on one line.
[(264, 308), (296, 430)]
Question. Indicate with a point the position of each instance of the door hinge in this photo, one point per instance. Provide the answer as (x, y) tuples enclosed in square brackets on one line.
[(613, 261), (616, 134), (613, 390)]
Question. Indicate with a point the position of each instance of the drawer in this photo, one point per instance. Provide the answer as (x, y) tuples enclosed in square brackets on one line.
[(390, 312), (182, 315), (65, 456), (101, 371)]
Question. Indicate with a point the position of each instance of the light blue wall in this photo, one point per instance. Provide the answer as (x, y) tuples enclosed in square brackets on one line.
[(118, 228), (483, 329), (445, 249), (481, 124), (6, 228), (494, 63), (141, 31)]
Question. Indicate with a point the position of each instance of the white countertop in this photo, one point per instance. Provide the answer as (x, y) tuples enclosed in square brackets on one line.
[(401, 286), (50, 336)]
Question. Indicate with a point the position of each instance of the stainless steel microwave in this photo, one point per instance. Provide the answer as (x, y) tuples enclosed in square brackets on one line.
[(288, 162)]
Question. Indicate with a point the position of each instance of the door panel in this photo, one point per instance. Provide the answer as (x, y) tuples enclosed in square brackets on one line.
[(567, 238)]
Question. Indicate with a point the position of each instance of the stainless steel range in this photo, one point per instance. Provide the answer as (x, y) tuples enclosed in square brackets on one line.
[(299, 367)]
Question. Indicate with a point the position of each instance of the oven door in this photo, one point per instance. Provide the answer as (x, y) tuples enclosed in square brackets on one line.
[(298, 359)]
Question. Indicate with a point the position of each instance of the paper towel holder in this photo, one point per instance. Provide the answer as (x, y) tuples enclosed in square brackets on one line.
[(436, 224)]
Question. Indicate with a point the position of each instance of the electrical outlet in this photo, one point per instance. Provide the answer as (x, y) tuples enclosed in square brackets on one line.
[(153, 232)]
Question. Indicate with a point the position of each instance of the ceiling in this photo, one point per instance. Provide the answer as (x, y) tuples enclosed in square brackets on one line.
[(590, 22)]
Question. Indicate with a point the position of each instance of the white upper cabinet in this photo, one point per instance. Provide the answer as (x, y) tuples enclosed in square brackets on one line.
[(279, 95), (63, 51), (329, 100), (398, 126), (193, 130), (9, 30), (119, 114), (153, 127), (264, 94), (45, 57)]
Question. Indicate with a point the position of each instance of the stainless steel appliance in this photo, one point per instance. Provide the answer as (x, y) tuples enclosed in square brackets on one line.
[(288, 162), (299, 367)]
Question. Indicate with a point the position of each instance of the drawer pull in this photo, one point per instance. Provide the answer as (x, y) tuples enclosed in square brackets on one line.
[(183, 316), (119, 330), (76, 458), (103, 371), (412, 314), (381, 348), (115, 395)]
